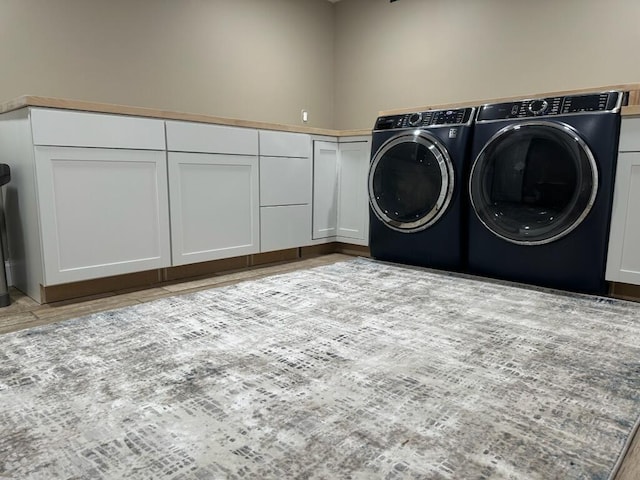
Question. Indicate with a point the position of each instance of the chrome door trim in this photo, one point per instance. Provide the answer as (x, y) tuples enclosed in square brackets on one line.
[(446, 171), (566, 130)]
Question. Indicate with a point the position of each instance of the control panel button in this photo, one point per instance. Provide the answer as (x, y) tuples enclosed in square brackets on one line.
[(538, 107), (414, 119)]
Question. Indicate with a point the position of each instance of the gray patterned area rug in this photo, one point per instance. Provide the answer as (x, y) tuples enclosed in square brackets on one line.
[(357, 370)]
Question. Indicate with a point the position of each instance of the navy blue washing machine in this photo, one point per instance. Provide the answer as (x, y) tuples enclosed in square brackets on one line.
[(416, 187), (541, 189)]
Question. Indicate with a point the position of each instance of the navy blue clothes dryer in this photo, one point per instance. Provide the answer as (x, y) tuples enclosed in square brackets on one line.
[(417, 188), (541, 189)]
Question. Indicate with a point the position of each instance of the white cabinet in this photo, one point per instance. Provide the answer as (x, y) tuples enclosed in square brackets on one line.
[(214, 206), (623, 260), (88, 196), (94, 195), (325, 189), (102, 212), (353, 203), (213, 190), (340, 198), (285, 190)]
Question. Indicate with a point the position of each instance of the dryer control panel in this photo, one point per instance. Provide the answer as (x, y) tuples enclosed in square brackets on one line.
[(542, 107), (428, 118)]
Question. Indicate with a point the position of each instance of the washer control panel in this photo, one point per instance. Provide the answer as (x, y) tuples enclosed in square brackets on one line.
[(542, 107), (428, 118)]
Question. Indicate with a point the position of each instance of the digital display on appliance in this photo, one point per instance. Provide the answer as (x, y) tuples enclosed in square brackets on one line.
[(384, 123), (585, 103)]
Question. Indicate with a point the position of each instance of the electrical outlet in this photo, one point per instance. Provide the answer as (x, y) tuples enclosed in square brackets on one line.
[(305, 116)]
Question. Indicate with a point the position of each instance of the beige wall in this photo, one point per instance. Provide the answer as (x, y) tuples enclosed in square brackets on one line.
[(268, 59), (421, 52), (252, 59)]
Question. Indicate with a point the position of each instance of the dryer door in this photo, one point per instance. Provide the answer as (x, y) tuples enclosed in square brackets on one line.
[(533, 182), (411, 181)]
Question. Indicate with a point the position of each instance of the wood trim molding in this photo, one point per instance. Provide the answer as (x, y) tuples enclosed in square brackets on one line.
[(164, 276), (625, 291), (96, 107)]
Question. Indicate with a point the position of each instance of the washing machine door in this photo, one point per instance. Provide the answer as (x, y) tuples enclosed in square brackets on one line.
[(533, 182), (411, 181)]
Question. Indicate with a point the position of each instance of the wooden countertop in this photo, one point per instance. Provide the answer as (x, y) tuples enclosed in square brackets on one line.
[(37, 101), (632, 109)]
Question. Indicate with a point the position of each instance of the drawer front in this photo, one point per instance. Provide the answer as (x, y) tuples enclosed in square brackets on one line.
[(630, 135), (285, 227), (80, 129), (285, 181), (284, 144), (205, 138)]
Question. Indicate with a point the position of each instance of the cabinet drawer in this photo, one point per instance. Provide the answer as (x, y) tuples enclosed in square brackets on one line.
[(80, 129), (630, 135), (205, 138), (285, 181), (284, 144), (284, 227)]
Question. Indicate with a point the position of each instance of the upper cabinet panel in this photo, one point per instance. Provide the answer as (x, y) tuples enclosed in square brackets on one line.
[(284, 144), (207, 138), (82, 129)]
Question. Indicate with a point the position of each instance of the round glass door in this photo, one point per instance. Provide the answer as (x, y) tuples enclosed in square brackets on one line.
[(533, 182), (411, 182)]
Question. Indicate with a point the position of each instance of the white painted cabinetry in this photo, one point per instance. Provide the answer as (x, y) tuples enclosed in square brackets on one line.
[(353, 201), (88, 196), (285, 190), (213, 189), (325, 189), (102, 212), (94, 195), (623, 260), (340, 199)]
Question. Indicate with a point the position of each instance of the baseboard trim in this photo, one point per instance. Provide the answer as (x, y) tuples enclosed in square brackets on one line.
[(163, 276), (625, 291)]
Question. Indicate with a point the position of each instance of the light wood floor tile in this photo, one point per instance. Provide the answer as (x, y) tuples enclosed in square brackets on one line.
[(630, 469), (56, 313), (146, 295), (16, 321)]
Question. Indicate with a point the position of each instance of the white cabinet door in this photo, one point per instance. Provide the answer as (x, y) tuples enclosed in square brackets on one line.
[(623, 261), (353, 209), (214, 206), (325, 189), (102, 212)]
